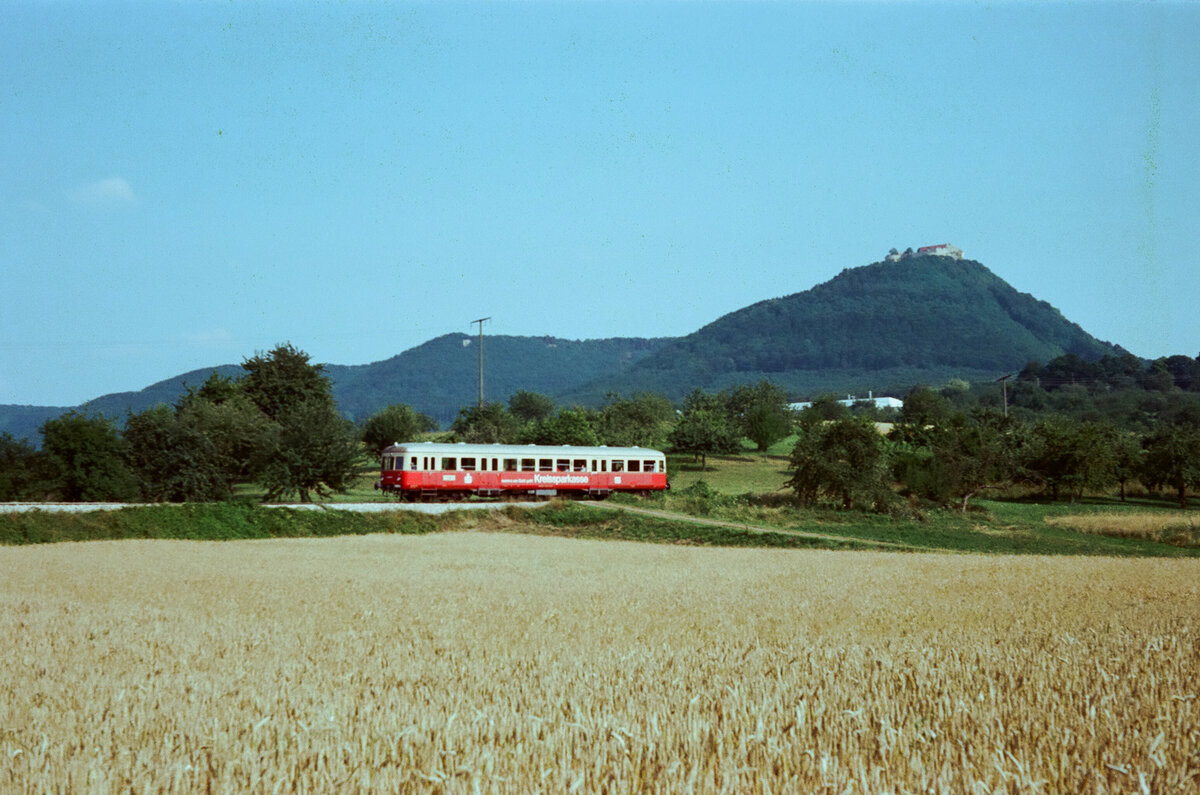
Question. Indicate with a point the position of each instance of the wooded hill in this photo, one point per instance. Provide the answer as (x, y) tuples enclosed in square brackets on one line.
[(881, 327)]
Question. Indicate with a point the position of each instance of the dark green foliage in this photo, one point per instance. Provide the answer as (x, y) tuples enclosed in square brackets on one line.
[(25, 473), (643, 421), (173, 459), (823, 408), (566, 426), (87, 456), (396, 423), (843, 459), (442, 374), (242, 435), (530, 406), (490, 423), (1172, 459), (928, 318), (314, 451), (957, 459), (760, 413), (278, 381), (704, 428), (1064, 454)]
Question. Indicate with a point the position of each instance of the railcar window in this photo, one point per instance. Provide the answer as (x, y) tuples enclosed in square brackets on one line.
[(563, 465), (528, 465), (649, 466), (468, 464), (580, 465), (618, 466), (449, 463), (635, 465), (545, 465), (412, 463), (510, 465)]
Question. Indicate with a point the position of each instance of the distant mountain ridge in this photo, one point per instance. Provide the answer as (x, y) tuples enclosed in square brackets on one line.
[(884, 327)]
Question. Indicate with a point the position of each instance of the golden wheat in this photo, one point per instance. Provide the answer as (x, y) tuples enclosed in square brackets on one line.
[(503, 663), (1181, 529)]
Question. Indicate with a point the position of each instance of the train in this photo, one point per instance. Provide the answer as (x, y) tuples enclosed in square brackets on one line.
[(440, 471)]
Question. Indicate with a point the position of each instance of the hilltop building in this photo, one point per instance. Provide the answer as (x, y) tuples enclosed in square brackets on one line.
[(939, 250)]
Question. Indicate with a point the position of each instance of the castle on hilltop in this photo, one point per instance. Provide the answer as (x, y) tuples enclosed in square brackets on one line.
[(940, 250)]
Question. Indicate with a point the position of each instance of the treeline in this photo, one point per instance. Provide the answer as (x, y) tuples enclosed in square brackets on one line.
[(1067, 428), (938, 455), (277, 426)]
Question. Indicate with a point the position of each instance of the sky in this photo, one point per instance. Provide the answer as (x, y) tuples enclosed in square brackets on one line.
[(184, 184)]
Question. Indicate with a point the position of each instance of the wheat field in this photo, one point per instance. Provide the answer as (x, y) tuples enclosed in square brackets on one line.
[(476, 662)]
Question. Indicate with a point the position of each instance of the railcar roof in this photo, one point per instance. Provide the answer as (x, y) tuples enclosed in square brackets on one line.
[(519, 450)]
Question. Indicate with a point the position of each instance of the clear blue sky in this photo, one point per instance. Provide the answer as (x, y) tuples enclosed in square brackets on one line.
[(183, 184)]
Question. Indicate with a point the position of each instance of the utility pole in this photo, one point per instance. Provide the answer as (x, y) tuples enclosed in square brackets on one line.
[(480, 322), (1004, 389)]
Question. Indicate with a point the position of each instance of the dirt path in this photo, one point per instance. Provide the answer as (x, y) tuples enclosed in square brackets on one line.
[(757, 529)]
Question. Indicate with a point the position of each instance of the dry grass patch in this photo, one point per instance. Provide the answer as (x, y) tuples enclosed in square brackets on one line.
[(501, 663), (1168, 528)]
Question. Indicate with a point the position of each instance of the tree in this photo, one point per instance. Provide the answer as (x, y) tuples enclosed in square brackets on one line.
[(530, 406), (23, 470), (567, 426), (173, 460), (88, 458), (824, 408), (953, 462), (314, 451), (1172, 459), (760, 413), (924, 406), (244, 438), (310, 449), (643, 420), (843, 459), (396, 423), (1063, 453), (281, 380), (704, 428), (490, 423)]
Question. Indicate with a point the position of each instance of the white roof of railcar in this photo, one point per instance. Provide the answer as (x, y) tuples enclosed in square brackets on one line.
[(519, 450)]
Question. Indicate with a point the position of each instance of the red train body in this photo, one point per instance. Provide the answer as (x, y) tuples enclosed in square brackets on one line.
[(427, 470)]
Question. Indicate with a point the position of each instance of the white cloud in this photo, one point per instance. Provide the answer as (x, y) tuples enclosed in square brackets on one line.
[(103, 193)]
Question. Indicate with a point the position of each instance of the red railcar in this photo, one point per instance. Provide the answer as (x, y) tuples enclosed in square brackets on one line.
[(428, 470)]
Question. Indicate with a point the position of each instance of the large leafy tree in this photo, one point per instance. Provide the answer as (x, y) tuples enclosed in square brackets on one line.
[(844, 459), (566, 426), (490, 423), (643, 420), (530, 407), (704, 428), (313, 452), (956, 460), (310, 449), (279, 381), (24, 471), (396, 423), (173, 459), (1063, 454), (88, 458), (760, 413), (1172, 459)]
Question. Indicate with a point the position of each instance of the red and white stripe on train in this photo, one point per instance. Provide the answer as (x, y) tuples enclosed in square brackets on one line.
[(430, 470)]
